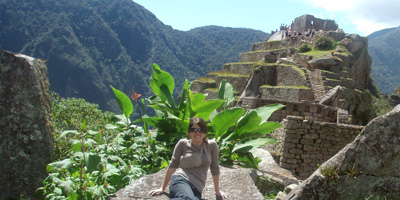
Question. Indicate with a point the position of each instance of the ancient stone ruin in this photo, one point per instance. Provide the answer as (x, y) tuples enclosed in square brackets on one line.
[(26, 130), (367, 168), (325, 91)]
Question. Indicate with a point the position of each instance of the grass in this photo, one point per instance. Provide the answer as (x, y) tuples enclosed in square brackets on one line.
[(205, 80), (286, 86), (315, 53), (295, 68), (229, 74)]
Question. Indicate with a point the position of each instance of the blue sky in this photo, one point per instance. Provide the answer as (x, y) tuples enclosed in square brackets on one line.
[(353, 16)]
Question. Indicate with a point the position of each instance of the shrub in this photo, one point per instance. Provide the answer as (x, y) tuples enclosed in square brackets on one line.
[(304, 48), (325, 43)]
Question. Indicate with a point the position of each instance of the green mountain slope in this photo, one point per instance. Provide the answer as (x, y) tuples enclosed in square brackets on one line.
[(91, 44), (383, 47)]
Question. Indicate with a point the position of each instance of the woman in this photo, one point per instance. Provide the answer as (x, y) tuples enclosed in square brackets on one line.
[(192, 158)]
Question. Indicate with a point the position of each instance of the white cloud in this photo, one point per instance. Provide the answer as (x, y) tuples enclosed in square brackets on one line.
[(366, 15)]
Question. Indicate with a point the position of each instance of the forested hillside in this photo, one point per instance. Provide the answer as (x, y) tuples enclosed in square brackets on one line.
[(384, 49), (89, 45)]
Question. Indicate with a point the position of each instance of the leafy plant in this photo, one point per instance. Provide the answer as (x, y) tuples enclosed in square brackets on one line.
[(325, 43), (329, 172), (172, 119), (304, 48), (236, 130), (68, 114)]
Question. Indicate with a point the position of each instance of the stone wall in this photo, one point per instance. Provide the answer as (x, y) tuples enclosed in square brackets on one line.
[(305, 110), (287, 75), (25, 123), (286, 93), (310, 143), (305, 22)]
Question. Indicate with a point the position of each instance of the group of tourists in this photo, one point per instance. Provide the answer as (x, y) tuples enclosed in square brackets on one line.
[(289, 32)]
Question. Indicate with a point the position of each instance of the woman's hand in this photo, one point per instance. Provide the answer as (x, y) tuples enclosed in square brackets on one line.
[(156, 192), (220, 194)]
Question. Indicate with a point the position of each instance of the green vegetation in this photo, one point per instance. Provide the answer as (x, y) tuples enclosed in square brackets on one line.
[(383, 47), (325, 43), (317, 53), (304, 48), (286, 86), (93, 164), (329, 172), (381, 105), (205, 80), (228, 74)]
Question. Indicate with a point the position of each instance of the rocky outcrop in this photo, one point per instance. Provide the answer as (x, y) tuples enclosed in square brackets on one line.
[(236, 182), (365, 168), (25, 123), (275, 177)]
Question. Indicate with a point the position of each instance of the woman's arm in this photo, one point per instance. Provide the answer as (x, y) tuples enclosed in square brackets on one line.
[(218, 192), (167, 178)]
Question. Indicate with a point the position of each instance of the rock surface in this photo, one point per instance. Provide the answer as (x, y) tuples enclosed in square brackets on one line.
[(26, 143), (367, 167), (236, 182), (271, 170)]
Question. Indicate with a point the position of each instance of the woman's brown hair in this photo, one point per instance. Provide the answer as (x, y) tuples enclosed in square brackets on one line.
[(199, 121)]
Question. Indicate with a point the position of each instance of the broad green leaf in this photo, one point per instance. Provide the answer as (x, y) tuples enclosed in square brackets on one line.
[(247, 160), (221, 91), (64, 133), (111, 127), (152, 121), (76, 145), (168, 96), (185, 93), (249, 144), (266, 111), (161, 77), (91, 160), (204, 109), (66, 186), (73, 196), (260, 130), (84, 125), (226, 119), (63, 164), (90, 142), (248, 122), (125, 104), (225, 92)]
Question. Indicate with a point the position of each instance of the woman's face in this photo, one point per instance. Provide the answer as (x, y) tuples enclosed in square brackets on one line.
[(196, 134)]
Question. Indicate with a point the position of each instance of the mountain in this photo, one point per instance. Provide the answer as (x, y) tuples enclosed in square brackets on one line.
[(384, 51), (89, 45)]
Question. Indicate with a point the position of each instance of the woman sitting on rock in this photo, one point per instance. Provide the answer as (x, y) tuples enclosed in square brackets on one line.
[(189, 164)]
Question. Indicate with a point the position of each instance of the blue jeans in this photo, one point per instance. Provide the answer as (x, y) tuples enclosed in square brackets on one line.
[(180, 188)]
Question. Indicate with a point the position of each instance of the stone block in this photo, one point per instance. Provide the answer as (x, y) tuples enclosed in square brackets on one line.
[(308, 148), (26, 129), (305, 141), (296, 151), (311, 136)]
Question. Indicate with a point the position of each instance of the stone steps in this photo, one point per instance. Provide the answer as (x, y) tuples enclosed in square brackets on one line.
[(317, 84)]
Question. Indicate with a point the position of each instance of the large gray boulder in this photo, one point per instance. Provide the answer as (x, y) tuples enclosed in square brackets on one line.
[(368, 167), (236, 182), (26, 143), (277, 178)]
